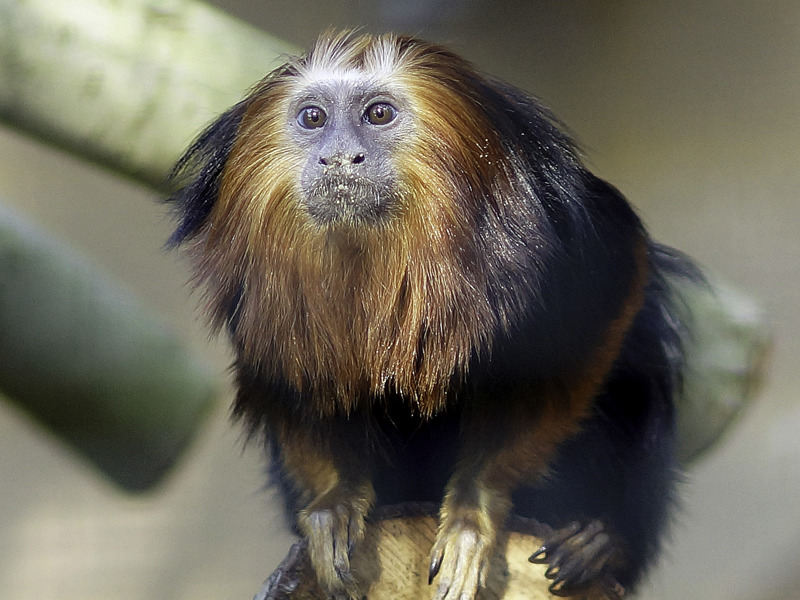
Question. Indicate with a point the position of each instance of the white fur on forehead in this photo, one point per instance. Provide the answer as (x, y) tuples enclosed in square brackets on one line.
[(346, 56)]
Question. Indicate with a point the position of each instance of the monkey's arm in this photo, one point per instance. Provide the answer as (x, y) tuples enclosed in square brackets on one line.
[(478, 496), (509, 447), (324, 469), (335, 495)]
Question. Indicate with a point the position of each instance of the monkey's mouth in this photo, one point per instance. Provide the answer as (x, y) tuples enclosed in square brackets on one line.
[(350, 199)]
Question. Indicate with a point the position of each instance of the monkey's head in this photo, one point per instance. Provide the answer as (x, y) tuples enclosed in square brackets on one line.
[(360, 130), (367, 194)]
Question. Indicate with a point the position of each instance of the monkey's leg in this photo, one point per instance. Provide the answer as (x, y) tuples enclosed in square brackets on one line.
[(469, 520), (500, 453), (511, 441), (336, 495)]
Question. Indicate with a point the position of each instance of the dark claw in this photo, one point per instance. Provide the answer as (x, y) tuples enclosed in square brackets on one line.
[(578, 558), (556, 591), (539, 557), (561, 555), (559, 591), (433, 570)]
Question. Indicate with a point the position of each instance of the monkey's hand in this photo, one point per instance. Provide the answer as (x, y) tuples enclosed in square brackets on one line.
[(580, 556), (467, 534), (333, 524), (460, 557)]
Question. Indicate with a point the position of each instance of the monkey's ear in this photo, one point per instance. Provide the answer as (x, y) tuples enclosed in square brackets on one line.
[(198, 173)]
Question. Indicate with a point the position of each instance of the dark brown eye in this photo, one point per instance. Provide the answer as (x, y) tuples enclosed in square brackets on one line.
[(380, 113), (312, 117)]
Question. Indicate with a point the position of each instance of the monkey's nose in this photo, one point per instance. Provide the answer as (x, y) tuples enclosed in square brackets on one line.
[(341, 159)]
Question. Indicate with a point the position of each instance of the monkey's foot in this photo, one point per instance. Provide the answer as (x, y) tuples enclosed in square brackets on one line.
[(580, 556), (333, 524), (460, 557)]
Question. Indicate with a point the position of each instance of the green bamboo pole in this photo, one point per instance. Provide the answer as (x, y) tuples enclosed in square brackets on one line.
[(94, 366), (126, 83), (727, 356)]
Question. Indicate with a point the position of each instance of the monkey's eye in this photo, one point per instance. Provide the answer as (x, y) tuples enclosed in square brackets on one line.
[(312, 117), (380, 113)]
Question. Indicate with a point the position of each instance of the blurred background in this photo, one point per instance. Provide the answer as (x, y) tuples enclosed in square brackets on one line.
[(691, 108)]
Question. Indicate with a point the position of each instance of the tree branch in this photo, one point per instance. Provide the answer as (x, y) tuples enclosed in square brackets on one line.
[(126, 83)]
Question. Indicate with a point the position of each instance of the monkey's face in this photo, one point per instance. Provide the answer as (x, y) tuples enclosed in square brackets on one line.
[(370, 137), (348, 132)]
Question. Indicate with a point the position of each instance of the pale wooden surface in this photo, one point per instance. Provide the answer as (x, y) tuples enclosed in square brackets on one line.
[(392, 562)]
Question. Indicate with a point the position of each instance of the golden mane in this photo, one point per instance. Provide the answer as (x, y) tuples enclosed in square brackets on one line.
[(353, 311)]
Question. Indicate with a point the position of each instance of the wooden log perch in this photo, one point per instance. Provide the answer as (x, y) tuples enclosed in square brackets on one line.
[(391, 563)]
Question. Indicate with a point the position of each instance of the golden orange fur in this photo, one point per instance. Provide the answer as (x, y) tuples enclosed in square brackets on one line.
[(358, 311)]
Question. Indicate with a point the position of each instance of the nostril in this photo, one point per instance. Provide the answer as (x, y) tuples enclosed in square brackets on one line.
[(341, 159)]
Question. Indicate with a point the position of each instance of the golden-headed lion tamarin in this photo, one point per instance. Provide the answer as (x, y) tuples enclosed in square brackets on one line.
[(431, 298)]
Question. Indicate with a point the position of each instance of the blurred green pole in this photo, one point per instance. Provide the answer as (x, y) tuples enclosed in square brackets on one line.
[(727, 357), (80, 355), (127, 84)]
